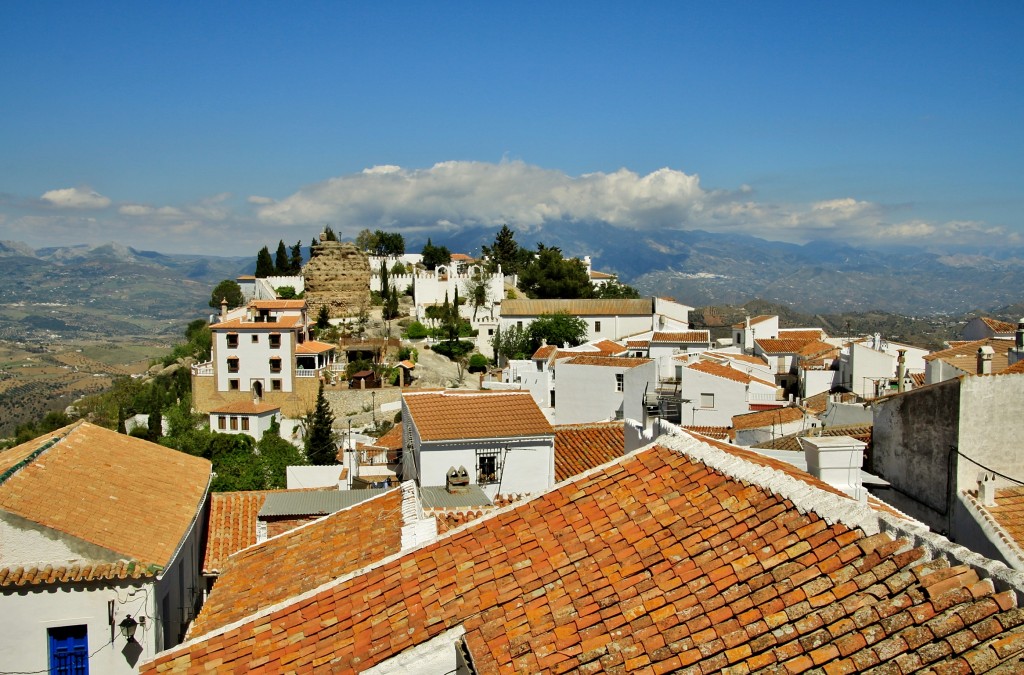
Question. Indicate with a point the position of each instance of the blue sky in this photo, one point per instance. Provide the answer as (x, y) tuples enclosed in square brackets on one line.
[(220, 127)]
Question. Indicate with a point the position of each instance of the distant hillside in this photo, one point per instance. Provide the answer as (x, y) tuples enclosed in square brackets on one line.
[(95, 291)]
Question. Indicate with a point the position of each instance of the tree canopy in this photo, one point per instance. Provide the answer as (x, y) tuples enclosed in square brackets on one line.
[(381, 243), (264, 264), (435, 255), (550, 275), (560, 329), (613, 289), (506, 252), (227, 290), (282, 264), (295, 259)]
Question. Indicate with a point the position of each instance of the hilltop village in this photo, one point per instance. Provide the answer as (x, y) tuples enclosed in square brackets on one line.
[(584, 485)]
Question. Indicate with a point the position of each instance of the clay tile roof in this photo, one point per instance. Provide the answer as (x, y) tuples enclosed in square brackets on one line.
[(780, 346), (817, 403), (450, 415), (303, 558), (725, 372), (134, 498), (462, 257), (283, 322), (84, 571), (582, 447), (313, 347), (245, 408), (1009, 512), (278, 304), (638, 344), (608, 361), (544, 351), (1014, 369), (965, 355), (718, 433), (743, 358), (392, 440), (1000, 326), (754, 320), (609, 307), (800, 333), (678, 557), (765, 418), (861, 432), (231, 526), (701, 336), (609, 347), (817, 348)]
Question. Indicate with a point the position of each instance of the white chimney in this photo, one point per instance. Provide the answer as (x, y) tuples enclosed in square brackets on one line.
[(985, 360), (987, 488), (837, 460)]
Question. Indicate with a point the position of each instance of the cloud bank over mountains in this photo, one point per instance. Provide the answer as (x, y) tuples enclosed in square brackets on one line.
[(453, 195)]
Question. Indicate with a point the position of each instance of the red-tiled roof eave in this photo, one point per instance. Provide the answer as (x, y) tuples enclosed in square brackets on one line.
[(76, 573)]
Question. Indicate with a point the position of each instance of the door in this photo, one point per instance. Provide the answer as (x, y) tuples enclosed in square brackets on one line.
[(69, 650)]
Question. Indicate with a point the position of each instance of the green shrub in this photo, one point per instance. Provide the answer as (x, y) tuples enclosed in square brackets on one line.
[(454, 350), (477, 363), (416, 331)]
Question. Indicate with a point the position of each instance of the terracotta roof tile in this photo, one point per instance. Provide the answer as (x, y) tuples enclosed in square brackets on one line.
[(965, 355), (698, 336), (801, 334), (718, 433), (313, 347), (83, 571), (303, 558), (132, 497), (725, 372), (582, 447), (754, 320), (1000, 326), (780, 346), (765, 418), (544, 351), (231, 525), (861, 432), (285, 322), (278, 304), (609, 347), (1009, 512), (609, 361), (245, 408), (609, 307), (656, 562), (448, 415)]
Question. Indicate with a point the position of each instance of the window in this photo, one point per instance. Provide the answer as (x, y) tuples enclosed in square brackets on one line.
[(275, 385), (255, 338), (233, 364), (233, 385), (275, 340), (222, 422), (597, 326), (618, 381), (245, 424), (707, 400), (488, 466), (519, 324), (232, 340), (234, 423), (275, 364), (69, 650), (490, 331)]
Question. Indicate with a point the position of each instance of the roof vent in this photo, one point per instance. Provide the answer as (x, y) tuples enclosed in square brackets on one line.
[(987, 488), (457, 480)]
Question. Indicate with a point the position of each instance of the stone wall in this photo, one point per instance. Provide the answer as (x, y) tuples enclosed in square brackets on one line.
[(337, 276)]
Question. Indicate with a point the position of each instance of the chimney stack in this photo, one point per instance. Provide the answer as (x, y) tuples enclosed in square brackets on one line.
[(987, 488), (985, 360), (223, 309), (901, 369)]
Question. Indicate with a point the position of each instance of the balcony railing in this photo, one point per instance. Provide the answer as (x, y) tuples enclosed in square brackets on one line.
[(203, 369)]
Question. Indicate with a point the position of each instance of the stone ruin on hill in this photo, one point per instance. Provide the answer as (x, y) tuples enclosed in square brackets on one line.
[(338, 276)]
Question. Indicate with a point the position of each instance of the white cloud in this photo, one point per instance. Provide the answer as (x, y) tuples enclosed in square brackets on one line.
[(75, 198), (144, 210), (256, 199)]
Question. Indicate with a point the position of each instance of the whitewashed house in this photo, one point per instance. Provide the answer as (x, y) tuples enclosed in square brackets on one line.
[(100, 536), (869, 367), (263, 353), (747, 331), (980, 357), (606, 319), (712, 393), (664, 346), (501, 439), (251, 418), (600, 388)]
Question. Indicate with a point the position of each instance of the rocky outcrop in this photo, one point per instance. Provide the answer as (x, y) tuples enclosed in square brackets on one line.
[(337, 276)]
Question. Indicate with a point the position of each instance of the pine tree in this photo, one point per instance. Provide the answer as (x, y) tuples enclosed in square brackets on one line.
[(264, 264), (281, 259), (320, 446), (295, 261)]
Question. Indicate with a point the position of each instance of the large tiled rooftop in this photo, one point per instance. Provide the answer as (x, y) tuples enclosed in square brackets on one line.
[(581, 447), (446, 415), (676, 558)]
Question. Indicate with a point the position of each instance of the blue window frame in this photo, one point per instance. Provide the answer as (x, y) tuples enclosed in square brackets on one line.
[(69, 650)]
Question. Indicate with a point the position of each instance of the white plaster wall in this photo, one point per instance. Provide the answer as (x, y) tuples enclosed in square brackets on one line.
[(675, 314), (990, 429), (296, 282), (868, 363), (258, 424), (637, 381), (748, 437), (254, 359), (25, 543), (612, 327), (730, 399), (28, 613), (523, 374), (817, 381), (586, 393), (527, 467)]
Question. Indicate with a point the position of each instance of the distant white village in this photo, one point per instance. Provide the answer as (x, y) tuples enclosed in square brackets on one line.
[(651, 500)]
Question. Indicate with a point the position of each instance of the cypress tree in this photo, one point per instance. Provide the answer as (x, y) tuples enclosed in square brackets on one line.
[(264, 264), (320, 447), (281, 262), (295, 261)]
